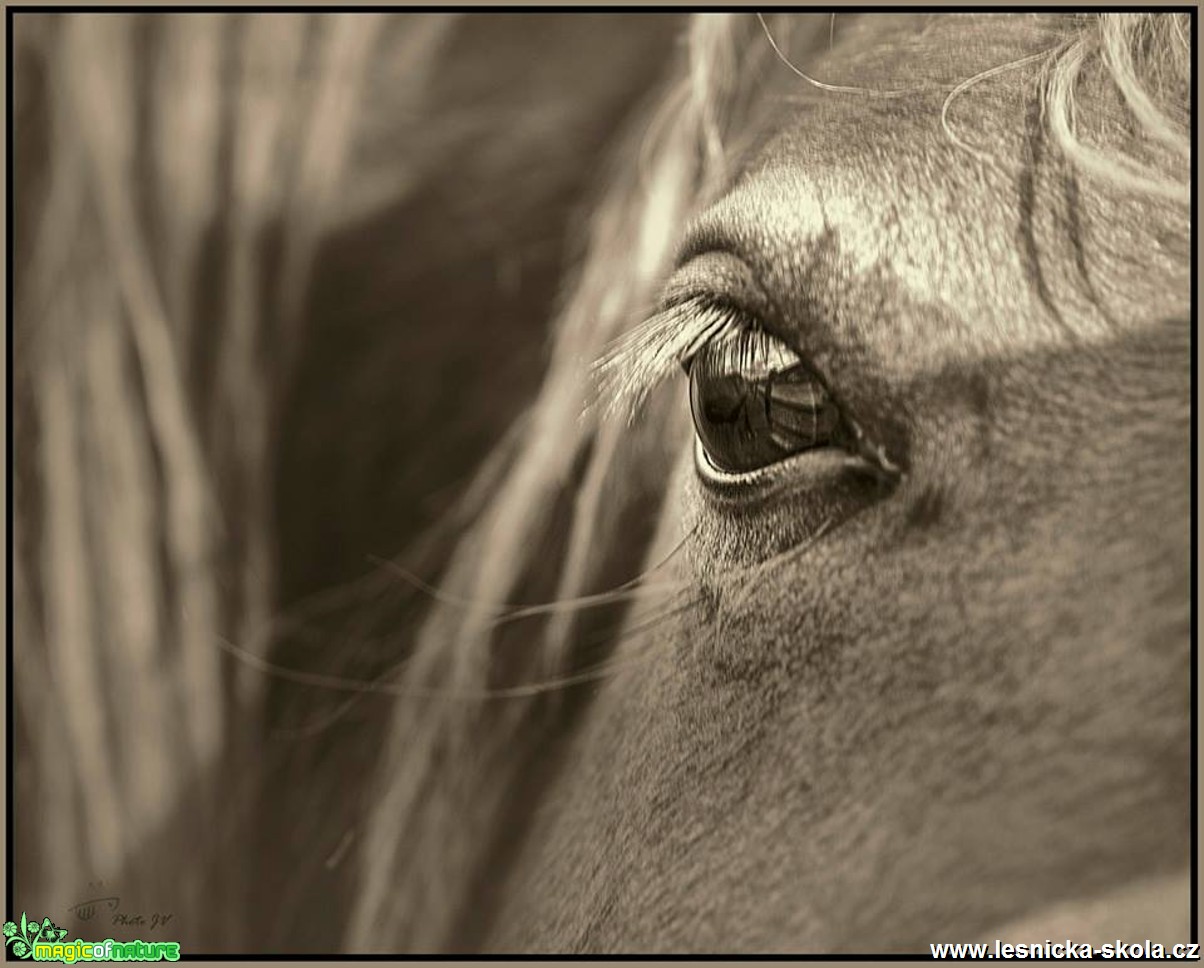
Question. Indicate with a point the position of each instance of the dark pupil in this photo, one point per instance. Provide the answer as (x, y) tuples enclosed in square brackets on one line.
[(753, 406)]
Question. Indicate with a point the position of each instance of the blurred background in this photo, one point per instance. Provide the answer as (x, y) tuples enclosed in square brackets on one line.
[(280, 283)]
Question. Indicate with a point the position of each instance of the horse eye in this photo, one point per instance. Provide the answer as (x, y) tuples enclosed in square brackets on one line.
[(755, 402)]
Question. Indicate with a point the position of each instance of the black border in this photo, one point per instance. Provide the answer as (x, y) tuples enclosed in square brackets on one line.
[(1194, 813), (600, 8), (8, 464), (10, 11)]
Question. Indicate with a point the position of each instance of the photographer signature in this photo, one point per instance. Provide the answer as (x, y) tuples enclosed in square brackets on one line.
[(106, 906)]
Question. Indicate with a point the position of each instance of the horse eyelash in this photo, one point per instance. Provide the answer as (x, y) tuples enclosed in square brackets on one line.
[(638, 362)]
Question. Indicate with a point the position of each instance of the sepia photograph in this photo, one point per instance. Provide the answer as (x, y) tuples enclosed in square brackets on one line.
[(505, 481)]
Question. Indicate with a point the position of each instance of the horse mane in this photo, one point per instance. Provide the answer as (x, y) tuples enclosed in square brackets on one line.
[(144, 419), (1148, 59)]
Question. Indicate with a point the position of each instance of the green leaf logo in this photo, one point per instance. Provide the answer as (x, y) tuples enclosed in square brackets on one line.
[(21, 937)]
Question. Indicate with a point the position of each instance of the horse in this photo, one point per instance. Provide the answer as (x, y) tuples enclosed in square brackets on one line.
[(819, 585)]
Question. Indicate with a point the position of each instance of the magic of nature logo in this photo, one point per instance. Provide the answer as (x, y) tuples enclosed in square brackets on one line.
[(46, 941)]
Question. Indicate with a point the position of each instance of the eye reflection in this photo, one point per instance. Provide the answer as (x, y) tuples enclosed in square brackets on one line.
[(755, 402)]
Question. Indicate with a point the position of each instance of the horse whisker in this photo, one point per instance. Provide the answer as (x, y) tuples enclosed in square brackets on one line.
[(833, 88), (620, 594), (507, 612), (382, 685)]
